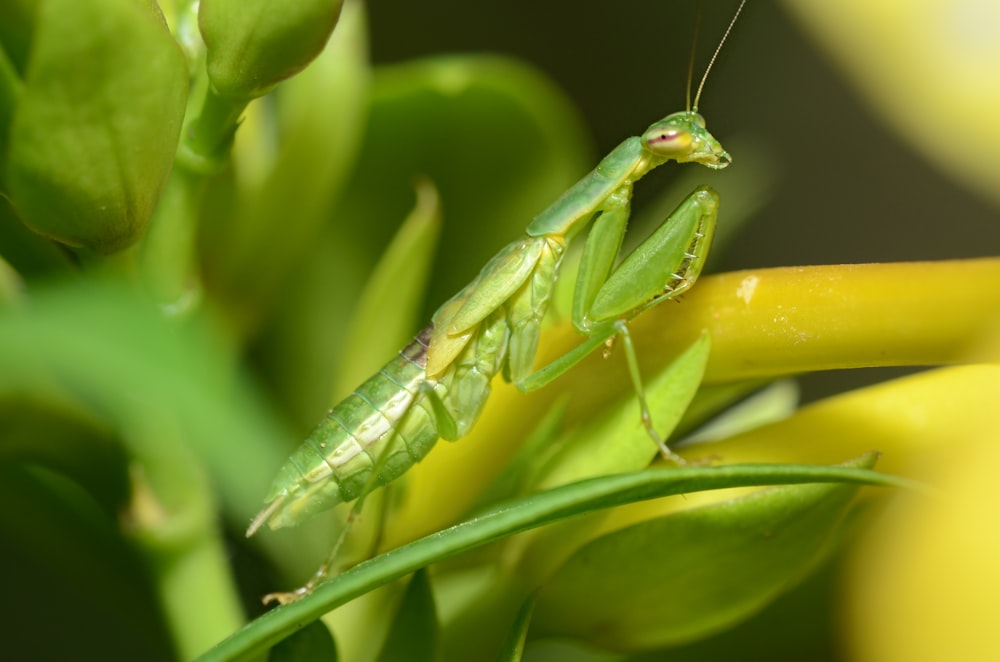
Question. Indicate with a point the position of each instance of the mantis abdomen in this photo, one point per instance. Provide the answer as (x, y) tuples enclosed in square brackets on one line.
[(388, 424)]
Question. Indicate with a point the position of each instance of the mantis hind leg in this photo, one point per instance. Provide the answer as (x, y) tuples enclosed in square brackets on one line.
[(325, 569)]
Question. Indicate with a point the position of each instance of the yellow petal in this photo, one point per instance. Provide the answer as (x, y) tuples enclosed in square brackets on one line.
[(931, 67)]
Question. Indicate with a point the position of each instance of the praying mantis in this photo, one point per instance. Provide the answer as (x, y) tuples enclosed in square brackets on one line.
[(437, 385)]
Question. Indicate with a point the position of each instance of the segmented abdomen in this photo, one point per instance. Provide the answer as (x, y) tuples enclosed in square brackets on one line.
[(335, 462)]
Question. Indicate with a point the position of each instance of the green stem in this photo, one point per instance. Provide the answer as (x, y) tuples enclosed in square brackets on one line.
[(121, 265), (169, 249), (515, 517), (173, 521), (207, 138), (198, 575)]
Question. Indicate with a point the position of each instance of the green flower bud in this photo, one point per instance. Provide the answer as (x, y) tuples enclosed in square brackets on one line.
[(96, 126), (252, 45)]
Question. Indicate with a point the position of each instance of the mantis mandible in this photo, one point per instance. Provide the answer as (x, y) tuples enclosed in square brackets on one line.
[(437, 385)]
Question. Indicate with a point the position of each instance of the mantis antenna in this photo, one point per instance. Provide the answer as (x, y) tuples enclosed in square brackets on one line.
[(718, 48), (694, 45)]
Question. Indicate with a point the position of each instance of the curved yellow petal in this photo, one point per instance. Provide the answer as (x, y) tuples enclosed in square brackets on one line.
[(931, 67), (925, 584)]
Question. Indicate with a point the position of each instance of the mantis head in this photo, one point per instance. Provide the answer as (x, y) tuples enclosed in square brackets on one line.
[(682, 137)]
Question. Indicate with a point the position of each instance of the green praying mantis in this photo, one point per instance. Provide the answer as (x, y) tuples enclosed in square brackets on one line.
[(437, 385)]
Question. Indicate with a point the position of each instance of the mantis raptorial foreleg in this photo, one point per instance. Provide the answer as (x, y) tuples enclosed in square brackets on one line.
[(664, 265)]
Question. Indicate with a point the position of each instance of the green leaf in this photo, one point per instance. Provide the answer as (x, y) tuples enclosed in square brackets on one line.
[(513, 647), (679, 578), (618, 441), (537, 510), (774, 402), (390, 305), (710, 400), (413, 634), (10, 284), (614, 442), (313, 643), (94, 134)]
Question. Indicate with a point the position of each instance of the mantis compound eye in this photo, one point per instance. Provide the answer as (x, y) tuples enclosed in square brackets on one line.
[(668, 141), (682, 137)]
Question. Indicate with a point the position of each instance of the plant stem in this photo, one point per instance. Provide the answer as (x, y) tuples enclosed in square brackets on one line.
[(208, 137), (168, 252)]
